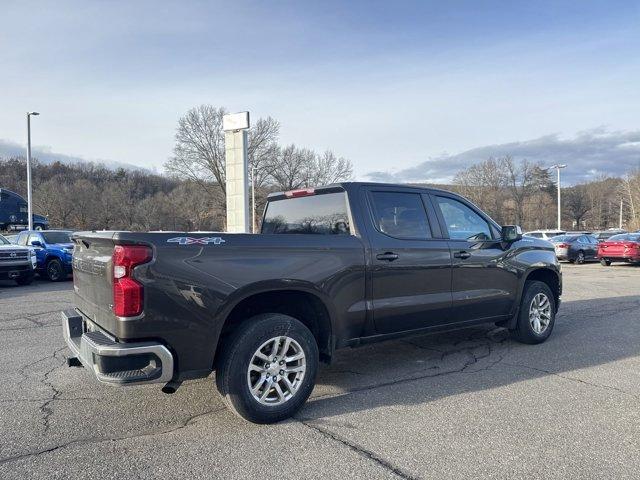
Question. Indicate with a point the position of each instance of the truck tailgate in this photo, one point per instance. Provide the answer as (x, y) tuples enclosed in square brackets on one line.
[(92, 277)]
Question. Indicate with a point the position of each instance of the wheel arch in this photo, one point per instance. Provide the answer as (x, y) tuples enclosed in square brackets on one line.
[(299, 301), (549, 276)]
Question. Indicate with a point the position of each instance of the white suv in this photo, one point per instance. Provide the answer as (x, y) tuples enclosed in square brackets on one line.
[(545, 234)]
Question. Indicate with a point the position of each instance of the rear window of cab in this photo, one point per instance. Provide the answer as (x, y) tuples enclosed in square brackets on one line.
[(320, 214)]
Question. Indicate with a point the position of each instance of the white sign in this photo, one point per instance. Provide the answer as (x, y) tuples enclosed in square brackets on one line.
[(235, 121)]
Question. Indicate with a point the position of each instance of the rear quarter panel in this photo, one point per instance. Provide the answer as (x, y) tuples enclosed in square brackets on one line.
[(190, 289)]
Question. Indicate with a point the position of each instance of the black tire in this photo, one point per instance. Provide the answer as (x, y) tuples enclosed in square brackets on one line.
[(524, 331), (24, 280), (605, 263), (580, 258), (54, 270), (238, 351), (38, 226)]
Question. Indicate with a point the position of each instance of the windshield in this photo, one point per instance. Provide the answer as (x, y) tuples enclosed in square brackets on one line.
[(4, 241), (57, 237)]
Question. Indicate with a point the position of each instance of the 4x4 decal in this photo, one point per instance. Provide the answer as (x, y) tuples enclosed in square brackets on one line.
[(196, 241)]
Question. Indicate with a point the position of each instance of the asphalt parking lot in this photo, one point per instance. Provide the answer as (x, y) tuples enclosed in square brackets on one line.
[(458, 405)]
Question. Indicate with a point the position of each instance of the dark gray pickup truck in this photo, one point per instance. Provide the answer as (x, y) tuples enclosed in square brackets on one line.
[(334, 266)]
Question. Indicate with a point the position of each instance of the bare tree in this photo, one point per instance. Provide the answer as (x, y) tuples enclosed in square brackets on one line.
[(577, 203), (485, 184), (199, 153), (523, 178)]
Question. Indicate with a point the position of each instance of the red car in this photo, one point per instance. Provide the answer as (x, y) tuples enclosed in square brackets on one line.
[(620, 248)]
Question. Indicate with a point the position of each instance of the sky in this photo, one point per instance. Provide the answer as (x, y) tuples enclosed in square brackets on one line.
[(408, 91)]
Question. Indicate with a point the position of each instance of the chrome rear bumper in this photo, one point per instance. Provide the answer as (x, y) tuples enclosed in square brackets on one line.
[(115, 362)]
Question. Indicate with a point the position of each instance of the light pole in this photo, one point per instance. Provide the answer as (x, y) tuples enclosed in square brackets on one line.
[(253, 199), (558, 166), (29, 202)]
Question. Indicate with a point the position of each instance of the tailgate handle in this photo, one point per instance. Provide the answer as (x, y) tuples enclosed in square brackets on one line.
[(388, 256)]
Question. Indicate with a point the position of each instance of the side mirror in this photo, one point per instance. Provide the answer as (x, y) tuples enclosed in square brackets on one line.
[(511, 233), (36, 243)]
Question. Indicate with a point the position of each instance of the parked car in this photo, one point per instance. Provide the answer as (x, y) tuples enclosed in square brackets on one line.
[(14, 213), (606, 234), (620, 248), (54, 250), (544, 234), (16, 262), (575, 248), (335, 266)]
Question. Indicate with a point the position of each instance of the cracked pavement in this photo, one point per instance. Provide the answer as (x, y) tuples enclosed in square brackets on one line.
[(471, 403)]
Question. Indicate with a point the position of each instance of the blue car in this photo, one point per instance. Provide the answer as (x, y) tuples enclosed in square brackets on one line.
[(54, 251)]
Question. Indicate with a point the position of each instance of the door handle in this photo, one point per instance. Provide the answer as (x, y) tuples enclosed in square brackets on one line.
[(388, 256), (462, 254)]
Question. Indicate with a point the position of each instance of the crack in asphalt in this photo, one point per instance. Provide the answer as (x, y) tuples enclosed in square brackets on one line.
[(47, 407), (94, 440), (363, 452), (572, 379), (472, 359)]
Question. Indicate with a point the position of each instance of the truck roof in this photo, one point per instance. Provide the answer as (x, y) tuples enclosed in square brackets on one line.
[(349, 185), (6, 190)]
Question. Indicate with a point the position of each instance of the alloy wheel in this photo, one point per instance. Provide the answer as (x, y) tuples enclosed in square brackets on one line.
[(276, 370), (540, 313)]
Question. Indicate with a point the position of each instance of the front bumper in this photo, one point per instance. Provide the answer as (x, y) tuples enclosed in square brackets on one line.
[(15, 271), (113, 362)]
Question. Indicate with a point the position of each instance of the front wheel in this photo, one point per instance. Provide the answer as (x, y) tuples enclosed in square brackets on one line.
[(580, 258), (537, 314), (55, 270), (267, 368), (24, 280), (604, 262)]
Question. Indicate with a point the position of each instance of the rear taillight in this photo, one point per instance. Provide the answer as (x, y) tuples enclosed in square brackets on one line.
[(563, 245), (128, 294)]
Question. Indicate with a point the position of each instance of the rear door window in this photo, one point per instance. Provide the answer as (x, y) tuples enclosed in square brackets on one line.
[(400, 215), (324, 214)]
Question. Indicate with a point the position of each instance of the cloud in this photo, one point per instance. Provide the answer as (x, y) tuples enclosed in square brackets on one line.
[(44, 154), (587, 154)]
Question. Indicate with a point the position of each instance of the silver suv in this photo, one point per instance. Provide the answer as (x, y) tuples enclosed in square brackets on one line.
[(16, 262)]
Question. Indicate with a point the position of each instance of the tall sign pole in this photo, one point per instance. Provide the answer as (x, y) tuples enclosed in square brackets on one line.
[(235, 126), (558, 166), (29, 201)]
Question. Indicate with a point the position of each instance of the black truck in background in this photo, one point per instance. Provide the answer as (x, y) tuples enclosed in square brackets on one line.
[(14, 213), (334, 266)]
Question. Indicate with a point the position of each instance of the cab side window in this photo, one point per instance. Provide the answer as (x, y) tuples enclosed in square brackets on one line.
[(462, 222), (33, 237), (22, 239), (400, 215)]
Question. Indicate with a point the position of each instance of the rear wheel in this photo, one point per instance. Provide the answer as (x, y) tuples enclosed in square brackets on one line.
[(604, 262), (54, 270), (537, 314), (268, 368), (580, 258)]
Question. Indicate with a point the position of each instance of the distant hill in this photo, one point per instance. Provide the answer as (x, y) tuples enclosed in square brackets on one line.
[(10, 149)]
